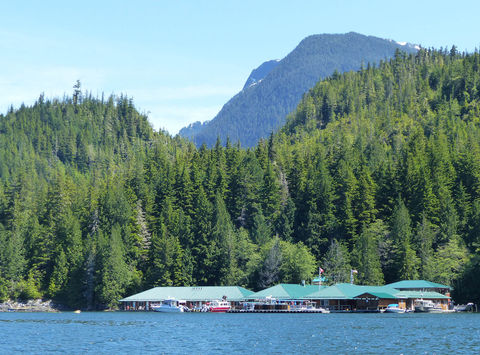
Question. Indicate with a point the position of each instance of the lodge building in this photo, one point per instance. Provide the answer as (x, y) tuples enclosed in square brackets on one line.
[(194, 297), (341, 297)]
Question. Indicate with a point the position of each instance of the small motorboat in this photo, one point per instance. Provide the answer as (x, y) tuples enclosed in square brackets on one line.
[(169, 306), (219, 306), (469, 307), (310, 307), (394, 308), (427, 306), (248, 307)]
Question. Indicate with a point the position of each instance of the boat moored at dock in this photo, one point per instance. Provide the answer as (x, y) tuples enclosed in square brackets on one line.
[(469, 307), (400, 297), (219, 306), (272, 305), (394, 308), (427, 306), (170, 306)]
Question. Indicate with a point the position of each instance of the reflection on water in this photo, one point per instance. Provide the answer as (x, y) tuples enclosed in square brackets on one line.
[(70, 321), (193, 333)]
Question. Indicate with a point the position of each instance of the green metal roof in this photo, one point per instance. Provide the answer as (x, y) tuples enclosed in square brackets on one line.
[(331, 292), (421, 294), (290, 291), (384, 295), (381, 291), (285, 291), (196, 293), (349, 291), (418, 284)]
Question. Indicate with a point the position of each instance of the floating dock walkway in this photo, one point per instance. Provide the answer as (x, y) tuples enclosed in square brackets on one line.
[(277, 311)]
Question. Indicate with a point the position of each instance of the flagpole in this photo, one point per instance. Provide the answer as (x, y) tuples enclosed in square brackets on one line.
[(319, 278)]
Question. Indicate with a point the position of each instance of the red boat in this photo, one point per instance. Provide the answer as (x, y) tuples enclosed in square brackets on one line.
[(219, 306)]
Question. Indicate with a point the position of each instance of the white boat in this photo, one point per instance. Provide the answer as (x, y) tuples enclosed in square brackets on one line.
[(427, 306), (309, 307), (169, 306), (394, 308), (469, 307), (219, 306)]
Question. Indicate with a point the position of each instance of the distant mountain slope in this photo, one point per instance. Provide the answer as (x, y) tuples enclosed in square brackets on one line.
[(192, 129), (262, 108), (258, 74)]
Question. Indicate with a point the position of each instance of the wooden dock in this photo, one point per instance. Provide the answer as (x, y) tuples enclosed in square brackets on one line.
[(276, 311)]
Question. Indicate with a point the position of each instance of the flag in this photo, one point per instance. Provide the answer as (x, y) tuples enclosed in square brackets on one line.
[(320, 270), (355, 271)]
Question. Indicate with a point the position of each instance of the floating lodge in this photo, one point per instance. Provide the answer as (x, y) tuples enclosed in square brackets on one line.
[(342, 297), (195, 297)]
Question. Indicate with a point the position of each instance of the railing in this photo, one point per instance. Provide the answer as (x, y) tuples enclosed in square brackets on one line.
[(339, 307), (348, 308)]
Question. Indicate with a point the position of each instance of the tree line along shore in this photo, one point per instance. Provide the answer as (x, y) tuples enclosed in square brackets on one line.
[(377, 170)]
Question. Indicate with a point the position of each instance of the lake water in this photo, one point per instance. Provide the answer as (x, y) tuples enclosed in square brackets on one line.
[(207, 333)]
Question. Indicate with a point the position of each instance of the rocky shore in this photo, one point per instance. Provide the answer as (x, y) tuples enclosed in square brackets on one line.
[(30, 306)]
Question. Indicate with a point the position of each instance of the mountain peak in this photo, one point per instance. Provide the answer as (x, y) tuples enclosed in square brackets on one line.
[(274, 89)]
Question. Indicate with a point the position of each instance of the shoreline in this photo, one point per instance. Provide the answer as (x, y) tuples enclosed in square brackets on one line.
[(37, 305)]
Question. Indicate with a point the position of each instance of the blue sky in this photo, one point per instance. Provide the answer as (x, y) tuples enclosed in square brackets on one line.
[(182, 60)]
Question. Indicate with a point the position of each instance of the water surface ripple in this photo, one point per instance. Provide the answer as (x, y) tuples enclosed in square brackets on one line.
[(204, 333)]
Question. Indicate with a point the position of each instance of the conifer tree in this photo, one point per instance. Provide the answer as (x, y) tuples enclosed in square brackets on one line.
[(284, 223), (336, 263), (203, 250), (224, 236), (365, 203), (247, 260), (365, 255), (58, 278), (165, 261), (406, 259), (269, 273), (347, 193), (114, 276), (261, 231), (424, 240), (473, 236), (270, 194)]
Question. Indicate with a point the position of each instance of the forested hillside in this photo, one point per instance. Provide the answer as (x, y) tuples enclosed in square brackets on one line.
[(258, 110), (95, 205), (383, 167), (377, 170)]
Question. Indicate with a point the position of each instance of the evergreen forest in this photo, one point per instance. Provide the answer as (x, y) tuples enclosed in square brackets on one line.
[(377, 170)]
